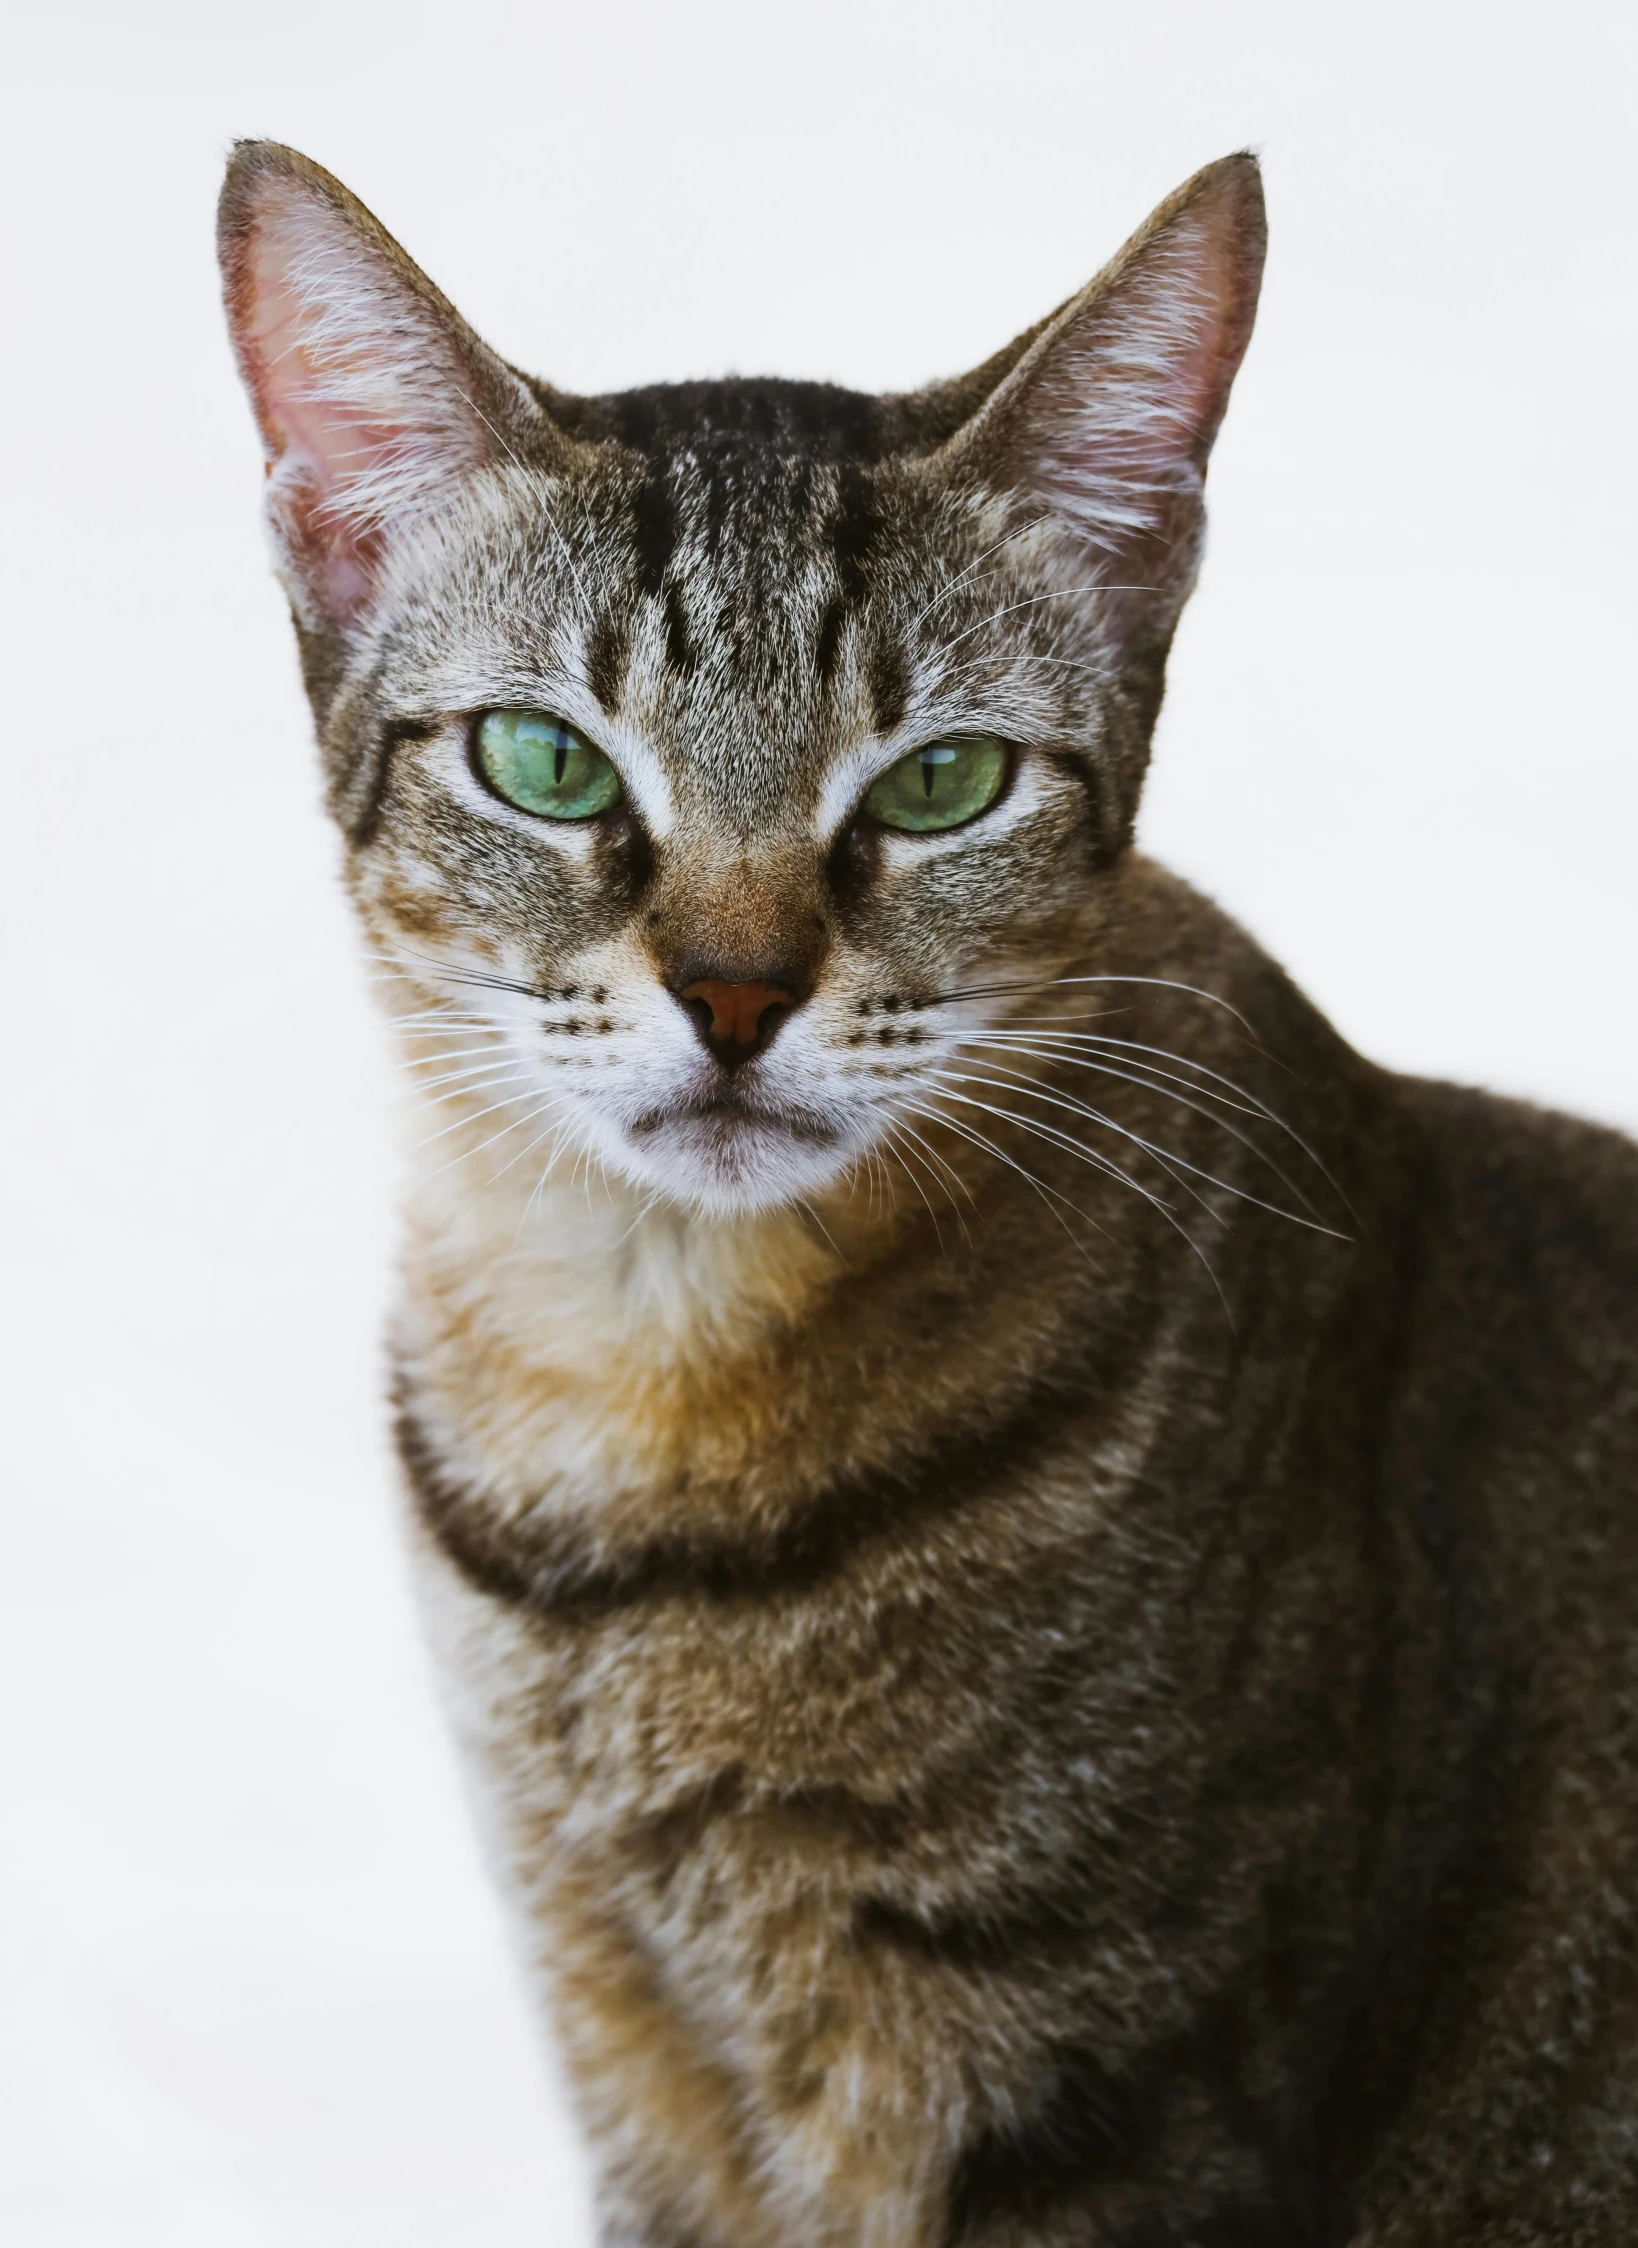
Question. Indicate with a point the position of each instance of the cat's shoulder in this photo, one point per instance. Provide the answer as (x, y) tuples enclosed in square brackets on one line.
[(1523, 1342), (1551, 1195)]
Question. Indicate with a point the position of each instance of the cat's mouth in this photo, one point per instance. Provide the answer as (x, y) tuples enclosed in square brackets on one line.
[(728, 1116)]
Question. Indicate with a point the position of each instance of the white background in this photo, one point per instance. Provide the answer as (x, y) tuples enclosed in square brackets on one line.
[(255, 1988)]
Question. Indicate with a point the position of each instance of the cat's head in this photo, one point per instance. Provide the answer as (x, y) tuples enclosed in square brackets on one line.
[(719, 752)]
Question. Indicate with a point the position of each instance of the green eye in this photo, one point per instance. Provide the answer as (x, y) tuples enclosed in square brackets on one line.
[(541, 764), (944, 785)]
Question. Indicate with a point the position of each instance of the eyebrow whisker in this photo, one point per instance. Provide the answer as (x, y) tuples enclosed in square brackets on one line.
[(1006, 539), (1059, 593)]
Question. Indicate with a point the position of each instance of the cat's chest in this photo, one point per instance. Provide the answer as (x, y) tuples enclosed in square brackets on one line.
[(636, 1699), (713, 1724), (613, 1374), (704, 1542), (676, 1694), (689, 1803)]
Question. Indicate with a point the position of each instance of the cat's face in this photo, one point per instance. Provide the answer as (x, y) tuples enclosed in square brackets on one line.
[(714, 759), (746, 728)]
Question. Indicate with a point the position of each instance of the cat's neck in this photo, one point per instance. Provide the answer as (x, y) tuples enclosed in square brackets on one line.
[(589, 1268), (583, 1339), (589, 1337)]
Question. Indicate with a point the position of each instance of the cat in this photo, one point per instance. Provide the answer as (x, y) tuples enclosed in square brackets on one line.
[(1044, 1619)]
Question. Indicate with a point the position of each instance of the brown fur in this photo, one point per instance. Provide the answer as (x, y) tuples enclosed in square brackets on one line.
[(1077, 1684)]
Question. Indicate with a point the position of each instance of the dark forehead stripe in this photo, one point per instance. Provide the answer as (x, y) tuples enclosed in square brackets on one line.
[(829, 642), (679, 649), (855, 527), (792, 418), (654, 528), (887, 675), (606, 654), (853, 530), (886, 667), (654, 523), (761, 448), (819, 418)]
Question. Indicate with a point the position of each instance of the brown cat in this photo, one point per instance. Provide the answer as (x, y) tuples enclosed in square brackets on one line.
[(1046, 1616)]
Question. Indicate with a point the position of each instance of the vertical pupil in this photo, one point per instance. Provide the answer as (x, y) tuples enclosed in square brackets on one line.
[(929, 766), (560, 757)]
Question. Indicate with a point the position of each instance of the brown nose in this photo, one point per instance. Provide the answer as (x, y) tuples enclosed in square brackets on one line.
[(743, 1016)]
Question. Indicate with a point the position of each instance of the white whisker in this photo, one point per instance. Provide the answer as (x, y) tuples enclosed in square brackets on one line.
[(943, 1163), (1006, 539), (524, 1076), (1067, 1045), (1050, 1195), (1062, 593), (1169, 1156), (464, 1154), (902, 1159), (1042, 1051), (1006, 1080), (1101, 1163), (1048, 983), (538, 485), (808, 1211), (470, 1077)]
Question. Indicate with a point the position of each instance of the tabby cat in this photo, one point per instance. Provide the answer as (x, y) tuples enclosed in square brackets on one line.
[(1045, 1618)]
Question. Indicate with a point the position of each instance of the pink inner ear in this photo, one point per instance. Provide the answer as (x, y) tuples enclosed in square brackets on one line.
[(357, 393), (1133, 397), (1210, 288), (313, 438)]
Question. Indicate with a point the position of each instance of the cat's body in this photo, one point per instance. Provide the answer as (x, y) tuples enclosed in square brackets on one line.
[(1056, 1771), (1006, 1726)]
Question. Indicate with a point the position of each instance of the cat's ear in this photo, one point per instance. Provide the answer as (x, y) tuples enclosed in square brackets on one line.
[(373, 396), (1108, 415)]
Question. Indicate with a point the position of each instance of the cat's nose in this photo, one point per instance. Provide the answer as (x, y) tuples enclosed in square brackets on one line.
[(736, 1020)]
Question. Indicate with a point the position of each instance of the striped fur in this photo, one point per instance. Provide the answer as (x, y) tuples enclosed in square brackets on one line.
[(1041, 1591)]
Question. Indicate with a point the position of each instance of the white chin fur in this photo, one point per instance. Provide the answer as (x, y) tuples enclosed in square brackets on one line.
[(726, 1165)]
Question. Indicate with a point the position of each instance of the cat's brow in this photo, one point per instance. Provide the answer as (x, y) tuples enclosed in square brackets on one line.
[(848, 779), (642, 772)]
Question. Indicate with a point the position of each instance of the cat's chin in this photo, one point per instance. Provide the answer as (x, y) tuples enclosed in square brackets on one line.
[(725, 1158)]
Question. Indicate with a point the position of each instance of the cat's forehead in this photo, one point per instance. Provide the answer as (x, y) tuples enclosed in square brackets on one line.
[(775, 490), (764, 413), (729, 571)]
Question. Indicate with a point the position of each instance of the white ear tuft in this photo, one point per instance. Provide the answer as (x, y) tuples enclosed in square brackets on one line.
[(1110, 414), (373, 396)]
